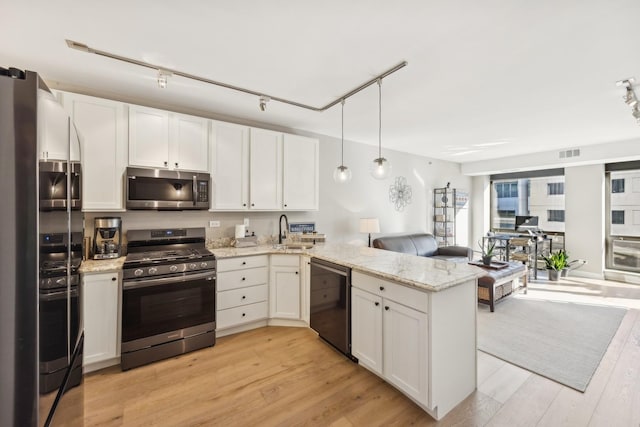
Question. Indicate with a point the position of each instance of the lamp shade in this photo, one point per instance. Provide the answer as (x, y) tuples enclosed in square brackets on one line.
[(369, 225)]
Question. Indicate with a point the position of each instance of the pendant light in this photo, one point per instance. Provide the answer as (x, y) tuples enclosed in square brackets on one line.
[(342, 174), (380, 167)]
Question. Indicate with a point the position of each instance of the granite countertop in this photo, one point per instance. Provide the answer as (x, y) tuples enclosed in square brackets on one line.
[(101, 265), (418, 272)]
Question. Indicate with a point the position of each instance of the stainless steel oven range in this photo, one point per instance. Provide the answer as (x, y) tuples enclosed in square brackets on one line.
[(168, 297)]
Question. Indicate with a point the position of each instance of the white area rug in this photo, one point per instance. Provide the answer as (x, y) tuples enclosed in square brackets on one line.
[(564, 342)]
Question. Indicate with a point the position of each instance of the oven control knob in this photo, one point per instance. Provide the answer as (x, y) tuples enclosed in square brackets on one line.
[(173, 268), (153, 270), (203, 265), (192, 266), (138, 272)]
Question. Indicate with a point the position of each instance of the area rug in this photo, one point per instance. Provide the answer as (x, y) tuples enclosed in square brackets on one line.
[(560, 341)]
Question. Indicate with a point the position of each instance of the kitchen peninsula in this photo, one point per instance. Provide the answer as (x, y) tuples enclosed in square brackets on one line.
[(413, 319)]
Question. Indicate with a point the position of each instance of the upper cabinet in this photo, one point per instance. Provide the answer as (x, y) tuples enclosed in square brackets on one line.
[(257, 169), (265, 170), (102, 128), (57, 137), (160, 139), (300, 173), (229, 166)]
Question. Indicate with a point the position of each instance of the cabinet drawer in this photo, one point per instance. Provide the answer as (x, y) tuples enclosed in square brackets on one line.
[(239, 315), (404, 295), (242, 278), (285, 260), (242, 296), (229, 264)]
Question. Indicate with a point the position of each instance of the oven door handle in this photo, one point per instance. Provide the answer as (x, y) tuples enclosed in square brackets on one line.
[(195, 190), (143, 283), (52, 296)]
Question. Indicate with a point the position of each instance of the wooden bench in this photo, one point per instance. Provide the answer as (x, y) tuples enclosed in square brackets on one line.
[(498, 283)]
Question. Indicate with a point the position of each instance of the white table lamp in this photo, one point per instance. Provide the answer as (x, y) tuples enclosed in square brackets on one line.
[(369, 225)]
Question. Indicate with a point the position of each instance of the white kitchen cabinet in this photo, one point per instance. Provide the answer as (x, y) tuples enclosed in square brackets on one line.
[(241, 293), (366, 329), (100, 302), (284, 287), (102, 126), (229, 166), (55, 130), (390, 333), (265, 170), (160, 139), (300, 173), (148, 137)]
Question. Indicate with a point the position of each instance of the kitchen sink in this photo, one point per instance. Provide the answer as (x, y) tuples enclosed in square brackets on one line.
[(293, 246)]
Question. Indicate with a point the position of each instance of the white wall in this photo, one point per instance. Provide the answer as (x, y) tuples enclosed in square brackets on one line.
[(341, 206), (480, 205)]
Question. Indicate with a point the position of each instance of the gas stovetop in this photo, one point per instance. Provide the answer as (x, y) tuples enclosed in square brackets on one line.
[(172, 255)]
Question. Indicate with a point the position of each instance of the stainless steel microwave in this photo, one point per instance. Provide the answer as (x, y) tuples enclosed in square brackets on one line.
[(160, 189), (53, 185)]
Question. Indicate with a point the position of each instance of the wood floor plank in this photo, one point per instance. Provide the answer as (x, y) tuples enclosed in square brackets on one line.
[(487, 366), (502, 384)]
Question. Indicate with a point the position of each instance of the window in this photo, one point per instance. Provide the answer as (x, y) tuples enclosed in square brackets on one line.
[(506, 190), (555, 188), (617, 185), (617, 217), (555, 215)]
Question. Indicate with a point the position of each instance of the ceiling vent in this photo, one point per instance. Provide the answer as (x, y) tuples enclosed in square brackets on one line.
[(570, 153)]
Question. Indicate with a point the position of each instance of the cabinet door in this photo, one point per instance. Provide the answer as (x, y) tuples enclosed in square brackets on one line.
[(366, 329), (53, 128), (265, 170), (102, 127), (189, 143), (284, 293), (300, 173), (230, 166), (100, 313), (405, 349), (148, 137)]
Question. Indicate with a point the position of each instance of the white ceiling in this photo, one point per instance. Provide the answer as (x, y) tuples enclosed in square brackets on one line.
[(485, 79)]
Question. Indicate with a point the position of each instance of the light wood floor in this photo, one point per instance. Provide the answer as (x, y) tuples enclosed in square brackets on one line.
[(287, 376)]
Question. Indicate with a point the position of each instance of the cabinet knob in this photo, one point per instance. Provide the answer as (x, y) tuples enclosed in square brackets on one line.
[(244, 297), (166, 163), (253, 204), (176, 164), (113, 279), (244, 262), (244, 314), (244, 278), (386, 307), (285, 205), (296, 272), (382, 288), (377, 303), (244, 205)]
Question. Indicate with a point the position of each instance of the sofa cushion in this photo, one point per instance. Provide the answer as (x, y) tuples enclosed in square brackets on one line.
[(425, 244), (396, 244)]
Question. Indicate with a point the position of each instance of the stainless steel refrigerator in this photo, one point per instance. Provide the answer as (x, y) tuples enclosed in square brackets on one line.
[(41, 329)]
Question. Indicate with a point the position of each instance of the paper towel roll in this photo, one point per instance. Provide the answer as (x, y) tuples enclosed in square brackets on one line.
[(239, 231)]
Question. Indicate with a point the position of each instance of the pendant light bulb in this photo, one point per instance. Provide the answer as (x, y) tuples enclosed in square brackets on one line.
[(342, 174), (380, 167)]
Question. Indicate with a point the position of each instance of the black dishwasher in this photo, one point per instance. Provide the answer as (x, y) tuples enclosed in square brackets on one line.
[(330, 305)]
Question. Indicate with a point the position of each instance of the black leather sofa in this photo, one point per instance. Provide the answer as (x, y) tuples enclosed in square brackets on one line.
[(423, 244)]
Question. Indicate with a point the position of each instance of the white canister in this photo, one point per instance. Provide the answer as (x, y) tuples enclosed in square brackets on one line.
[(239, 231)]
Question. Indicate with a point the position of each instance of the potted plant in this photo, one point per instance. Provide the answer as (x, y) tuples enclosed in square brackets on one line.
[(487, 251), (565, 270), (555, 262)]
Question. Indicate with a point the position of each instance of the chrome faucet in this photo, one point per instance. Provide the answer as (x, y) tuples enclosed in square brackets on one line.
[(281, 235)]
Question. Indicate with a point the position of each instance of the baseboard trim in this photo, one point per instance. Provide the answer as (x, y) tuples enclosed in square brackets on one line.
[(586, 275)]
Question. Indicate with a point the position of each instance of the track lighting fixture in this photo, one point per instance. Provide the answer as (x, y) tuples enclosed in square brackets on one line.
[(630, 97), (380, 168), (263, 102), (342, 174), (163, 78)]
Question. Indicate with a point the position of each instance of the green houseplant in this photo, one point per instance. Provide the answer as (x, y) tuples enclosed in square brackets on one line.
[(487, 250), (555, 263)]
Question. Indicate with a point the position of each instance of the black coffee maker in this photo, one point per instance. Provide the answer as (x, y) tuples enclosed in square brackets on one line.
[(107, 238)]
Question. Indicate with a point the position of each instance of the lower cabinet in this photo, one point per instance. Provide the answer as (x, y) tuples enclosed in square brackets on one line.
[(390, 334), (284, 287), (100, 301), (242, 292)]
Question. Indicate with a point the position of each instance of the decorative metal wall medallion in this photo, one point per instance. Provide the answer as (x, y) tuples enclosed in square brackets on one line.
[(400, 193)]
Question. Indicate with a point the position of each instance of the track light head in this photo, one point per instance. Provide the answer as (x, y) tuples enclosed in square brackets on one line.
[(163, 77), (630, 97), (263, 102)]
